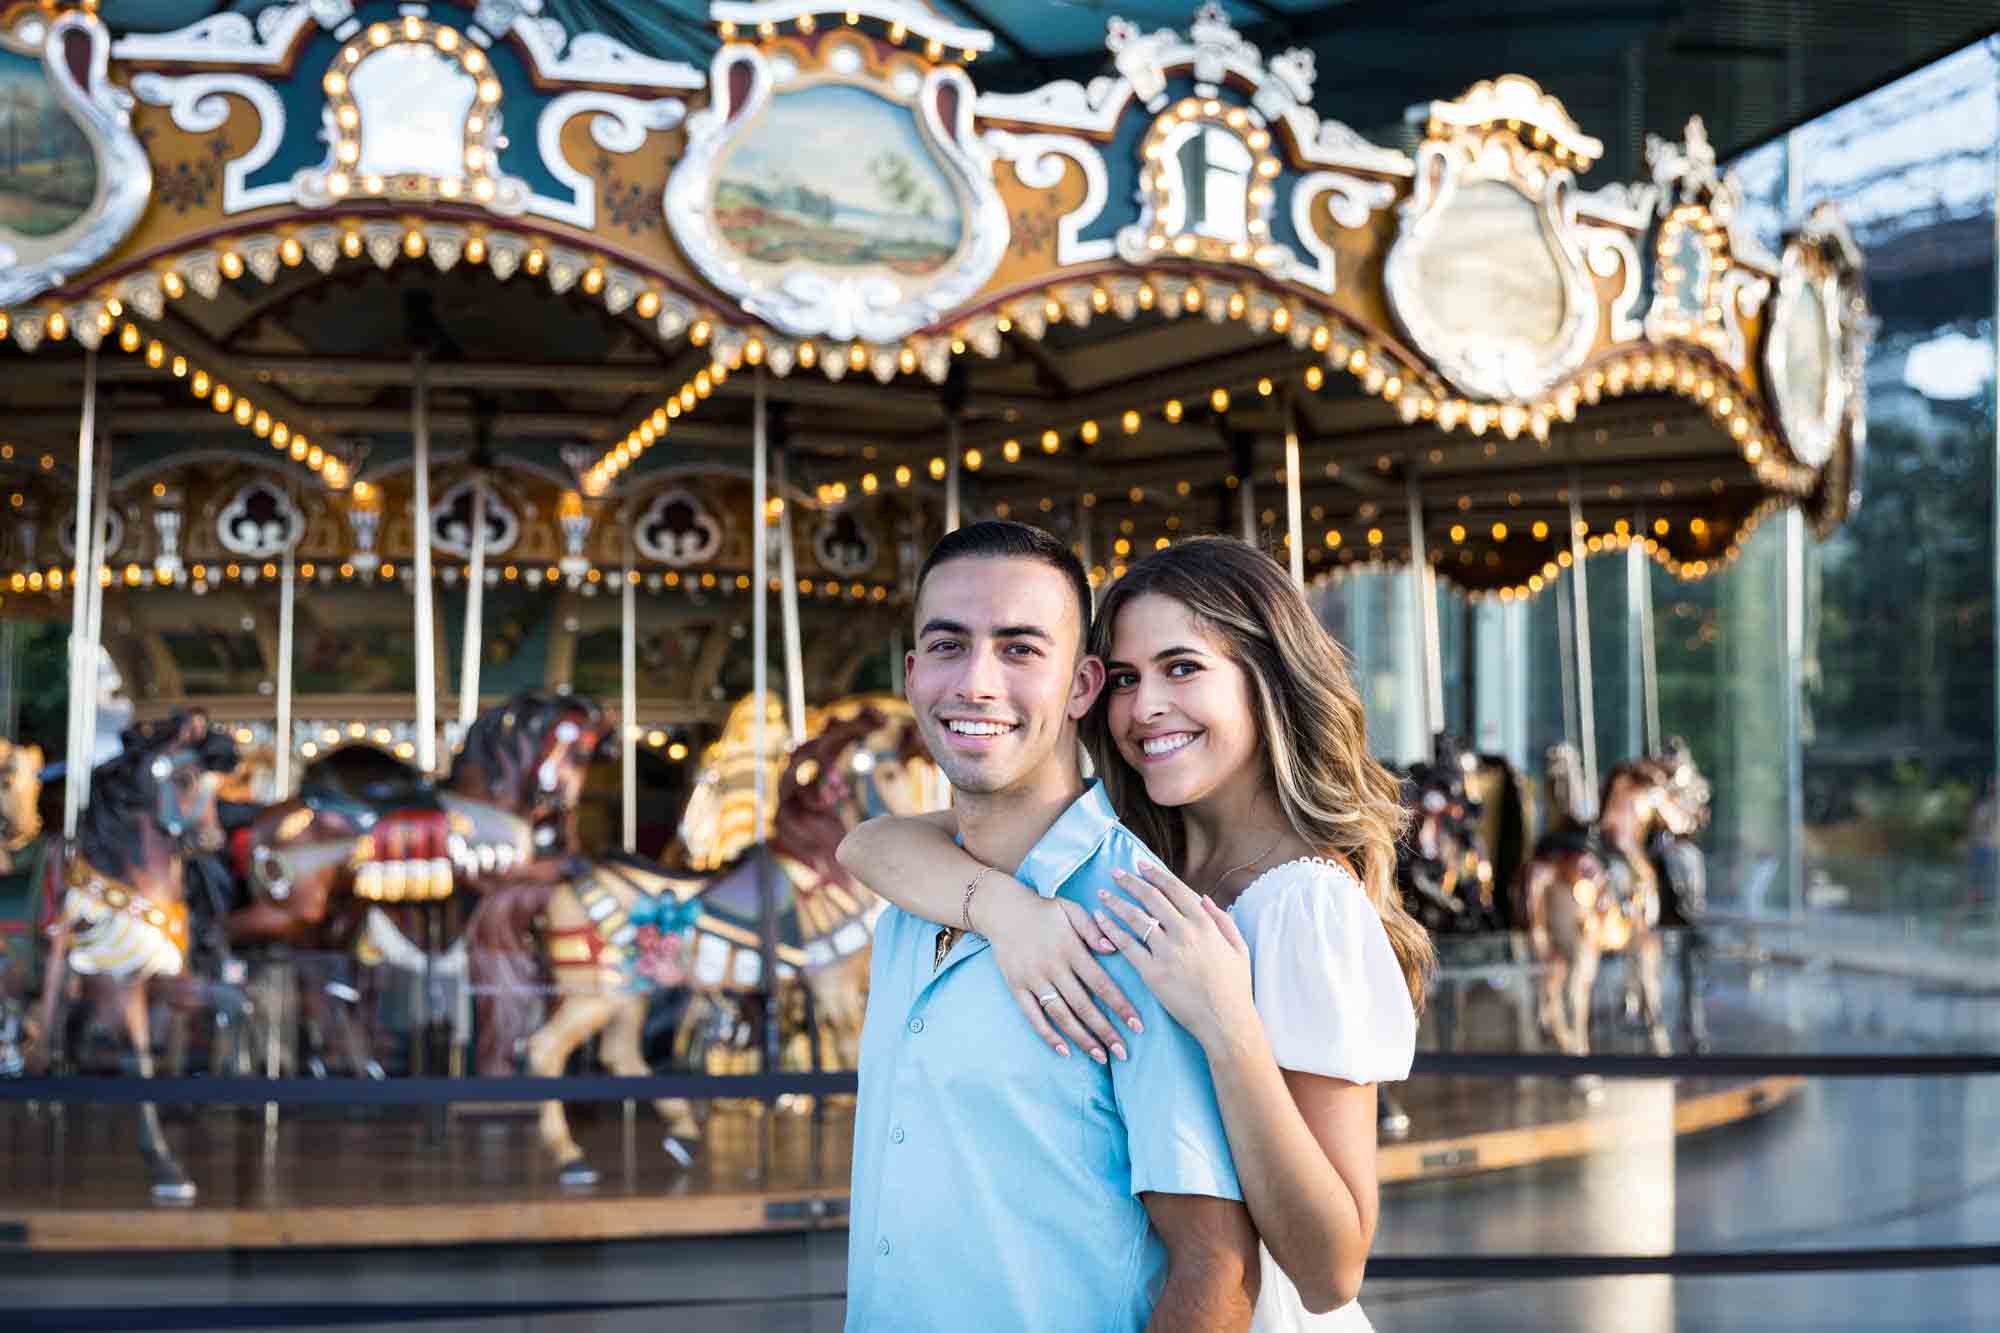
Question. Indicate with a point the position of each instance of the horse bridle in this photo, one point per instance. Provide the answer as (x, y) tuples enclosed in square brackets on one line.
[(171, 815)]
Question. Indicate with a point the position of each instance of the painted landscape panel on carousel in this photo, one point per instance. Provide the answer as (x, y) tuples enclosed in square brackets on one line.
[(838, 176), (1486, 256), (48, 173)]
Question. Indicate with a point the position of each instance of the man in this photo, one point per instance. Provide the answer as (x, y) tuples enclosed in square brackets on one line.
[(997, 1185)]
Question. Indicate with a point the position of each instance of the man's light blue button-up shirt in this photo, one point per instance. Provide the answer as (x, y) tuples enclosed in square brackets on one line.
[(997, 1184)]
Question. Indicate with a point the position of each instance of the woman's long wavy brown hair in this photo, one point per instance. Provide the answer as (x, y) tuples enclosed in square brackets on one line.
[(1339, 800)]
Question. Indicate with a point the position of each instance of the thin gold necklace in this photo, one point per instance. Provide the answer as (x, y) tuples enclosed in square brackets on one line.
[(1217, 884)]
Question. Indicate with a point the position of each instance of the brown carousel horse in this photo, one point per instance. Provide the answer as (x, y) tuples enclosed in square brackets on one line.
[(612, 938), (864, 757), (121, 921), (20, 800), (21, 853), (1593, 888), (346, 864)]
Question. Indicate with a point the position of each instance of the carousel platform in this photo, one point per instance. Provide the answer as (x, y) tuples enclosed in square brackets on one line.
[(70, 1180)]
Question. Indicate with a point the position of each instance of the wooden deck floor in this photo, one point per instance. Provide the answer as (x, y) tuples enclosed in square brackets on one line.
[(71, 1180)]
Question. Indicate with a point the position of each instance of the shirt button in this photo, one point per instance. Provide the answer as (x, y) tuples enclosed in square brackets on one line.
[(881, 1247), (896, 1134), (916, 1025)]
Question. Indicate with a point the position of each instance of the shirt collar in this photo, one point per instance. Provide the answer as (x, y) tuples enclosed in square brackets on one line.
[(1072, 840)]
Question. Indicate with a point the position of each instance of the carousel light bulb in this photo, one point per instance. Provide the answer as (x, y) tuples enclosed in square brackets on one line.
[(1051, 442), (1173, 410), (1011, 451), (937, 469), (1219, 400), (128, 338), (199, 385), (902, 475), (1089, 432)]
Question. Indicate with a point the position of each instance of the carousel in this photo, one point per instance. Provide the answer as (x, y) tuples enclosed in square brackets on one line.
[(420, 414)]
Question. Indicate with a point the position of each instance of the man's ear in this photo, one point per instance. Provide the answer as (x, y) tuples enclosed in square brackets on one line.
[(909, 665), (1084, 689)]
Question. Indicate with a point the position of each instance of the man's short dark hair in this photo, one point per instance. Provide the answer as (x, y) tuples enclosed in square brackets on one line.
[(1003, 539)]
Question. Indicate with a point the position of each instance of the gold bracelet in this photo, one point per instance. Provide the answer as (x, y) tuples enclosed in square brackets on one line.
[(965, 907)]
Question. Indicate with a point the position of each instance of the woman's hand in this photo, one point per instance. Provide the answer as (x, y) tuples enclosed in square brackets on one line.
[(1187, 951), (1043, 948)]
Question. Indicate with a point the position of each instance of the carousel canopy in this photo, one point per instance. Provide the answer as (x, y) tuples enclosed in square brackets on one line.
[(1754, 67), (1163, 298)]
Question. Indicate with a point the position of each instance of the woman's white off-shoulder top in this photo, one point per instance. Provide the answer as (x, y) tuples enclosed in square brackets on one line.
[(1333, 1002)]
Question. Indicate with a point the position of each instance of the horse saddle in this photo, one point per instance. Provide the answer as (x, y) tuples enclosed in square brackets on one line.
[(1586, 840), (362, 783)]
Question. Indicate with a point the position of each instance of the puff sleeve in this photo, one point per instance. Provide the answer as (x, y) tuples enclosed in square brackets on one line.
[(1326, 982)]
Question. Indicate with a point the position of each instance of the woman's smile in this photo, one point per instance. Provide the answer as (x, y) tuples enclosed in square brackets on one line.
[(1158, 748)]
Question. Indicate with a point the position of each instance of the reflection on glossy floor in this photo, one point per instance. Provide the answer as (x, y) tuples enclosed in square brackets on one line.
[(71, 1180), (1950, 1301), (392, 1177)]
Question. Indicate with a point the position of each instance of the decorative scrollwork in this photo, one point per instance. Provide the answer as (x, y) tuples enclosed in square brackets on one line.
[(1037, 160), (199, 104), (74, 51), (676, 529), (259, 521)]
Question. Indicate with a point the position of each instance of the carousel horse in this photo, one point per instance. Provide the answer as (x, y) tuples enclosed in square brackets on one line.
[(254, 780), (20, 801), (347, 864), (121, 920), (628, 929), (1591, 887), (1442, 866), (528, 757), (863, 757), (21, 853), (611, 938)]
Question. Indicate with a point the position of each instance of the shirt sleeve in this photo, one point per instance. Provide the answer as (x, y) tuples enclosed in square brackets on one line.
[(1165, 1096), (1327, 983)]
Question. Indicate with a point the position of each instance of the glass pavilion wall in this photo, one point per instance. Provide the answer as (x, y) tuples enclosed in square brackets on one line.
[(1841, 695)]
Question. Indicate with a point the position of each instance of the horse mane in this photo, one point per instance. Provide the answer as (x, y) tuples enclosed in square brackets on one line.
[(503, 742), (806, 824), (124, 793)]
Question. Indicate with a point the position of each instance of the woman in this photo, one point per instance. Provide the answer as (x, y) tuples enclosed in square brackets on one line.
[(1231, 740)]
